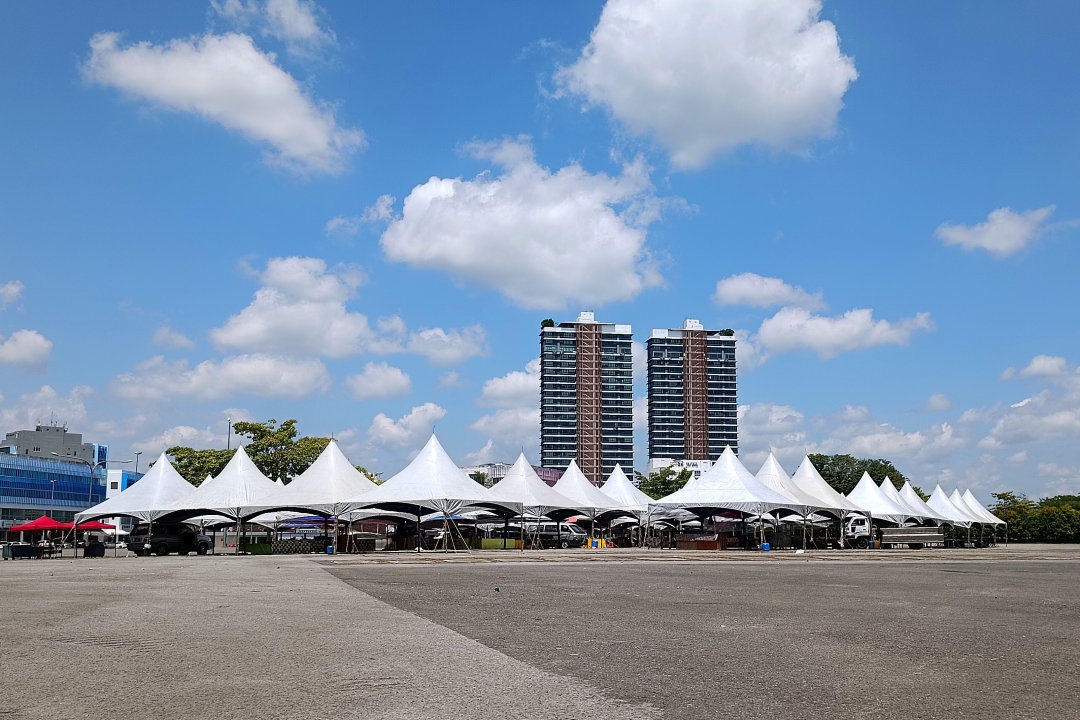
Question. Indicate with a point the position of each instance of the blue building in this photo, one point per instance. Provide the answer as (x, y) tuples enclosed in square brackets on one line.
[(32, 486)]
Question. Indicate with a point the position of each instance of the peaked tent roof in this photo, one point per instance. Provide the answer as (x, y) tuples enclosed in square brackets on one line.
[(940, 501), (236, 492), (586, 497), (809, 480), (146, 500), (522, 485), (40, 524), (729, 485), (772, 475), (958, 500), (624, 494), (890, 490), (326, 487), (913, 500), (980, 509), (432, 481), (877, 503)]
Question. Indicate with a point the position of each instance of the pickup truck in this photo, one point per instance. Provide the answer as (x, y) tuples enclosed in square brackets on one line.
[(172, 538)]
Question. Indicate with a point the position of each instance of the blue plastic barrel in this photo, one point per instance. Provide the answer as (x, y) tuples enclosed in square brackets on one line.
[(329, 549), (766, 547)]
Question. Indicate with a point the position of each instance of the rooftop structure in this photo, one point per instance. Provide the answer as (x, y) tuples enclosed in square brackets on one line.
[(53, 442)]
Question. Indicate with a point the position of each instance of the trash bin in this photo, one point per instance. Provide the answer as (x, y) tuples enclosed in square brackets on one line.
[(94, 549)]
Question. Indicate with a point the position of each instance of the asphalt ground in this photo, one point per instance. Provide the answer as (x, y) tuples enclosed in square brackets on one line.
[(249, 637), (567, 635), (792, 637)]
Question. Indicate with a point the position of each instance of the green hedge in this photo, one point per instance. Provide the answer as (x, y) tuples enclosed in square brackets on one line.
[(1050, 520)]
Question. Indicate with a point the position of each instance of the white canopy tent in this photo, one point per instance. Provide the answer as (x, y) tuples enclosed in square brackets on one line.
[(522, 485), (940, 502), (958, 500), (726, 485), (868, 495), (325, 488), (236, 493), (433, 482), (912, 499), (889, 489), (586, 497), (772, 475), (626, 495), (809, 480), (978, 508), (146, 500)]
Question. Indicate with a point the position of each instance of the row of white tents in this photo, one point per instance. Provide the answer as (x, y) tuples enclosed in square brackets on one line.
[(433, 483)]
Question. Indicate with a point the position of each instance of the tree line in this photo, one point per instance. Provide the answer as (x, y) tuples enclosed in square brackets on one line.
[(278, 451), (1050, 520)]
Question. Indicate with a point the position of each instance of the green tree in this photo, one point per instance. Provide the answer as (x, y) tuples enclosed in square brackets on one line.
[(842, 472), (481, 477), (276, 450), (195, 465), (547, 322), (663, 482), (1050, 520)]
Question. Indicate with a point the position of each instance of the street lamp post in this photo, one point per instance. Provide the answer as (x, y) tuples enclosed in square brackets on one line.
[(89, 491)]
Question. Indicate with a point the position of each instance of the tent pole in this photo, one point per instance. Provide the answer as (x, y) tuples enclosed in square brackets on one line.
[(506, 528), (521, 529), (417, 528)]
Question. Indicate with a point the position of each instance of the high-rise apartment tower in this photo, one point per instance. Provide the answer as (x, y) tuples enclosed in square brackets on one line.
[(587, 396), (693, 404)]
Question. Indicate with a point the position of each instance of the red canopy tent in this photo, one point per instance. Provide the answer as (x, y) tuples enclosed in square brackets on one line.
[(42, 523), (93, 525)]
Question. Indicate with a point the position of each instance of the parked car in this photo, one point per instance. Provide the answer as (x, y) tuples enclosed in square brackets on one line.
[(565, 535), (171, 538)]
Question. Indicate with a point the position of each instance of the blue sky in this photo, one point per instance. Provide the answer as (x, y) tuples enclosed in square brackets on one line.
[(357, 214)]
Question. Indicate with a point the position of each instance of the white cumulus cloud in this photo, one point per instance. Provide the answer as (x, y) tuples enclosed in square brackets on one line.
[(514, 428), (515, 424), (259, 375), (10, 292), (797, 329), (702, 77), (46, 405), (28, 348), (185, 435), (348, 226), (515, 389), (1005, 231), (300, 310), (937, 403), (757, 291), (295, 22), (379, 380), (228, 80), (542, 239), (168, 338), (408, 429), (448, 347), (1048, 366)]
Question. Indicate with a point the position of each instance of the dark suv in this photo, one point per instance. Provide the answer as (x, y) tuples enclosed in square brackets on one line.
[(172, 538)]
